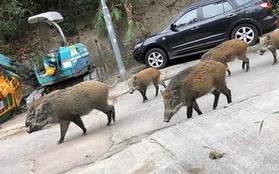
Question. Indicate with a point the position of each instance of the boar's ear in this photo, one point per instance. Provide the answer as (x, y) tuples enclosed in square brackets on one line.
[(44, 107)]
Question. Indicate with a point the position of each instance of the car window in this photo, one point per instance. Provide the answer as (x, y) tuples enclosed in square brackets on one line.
[(188, 18), (241, 2), (227, 6), (212, 10), (215, 9)]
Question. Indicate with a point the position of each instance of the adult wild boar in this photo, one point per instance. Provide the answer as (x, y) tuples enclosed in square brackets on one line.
[(145, 78), (228, 51), (270, 42), (70, 104), (192, 83)]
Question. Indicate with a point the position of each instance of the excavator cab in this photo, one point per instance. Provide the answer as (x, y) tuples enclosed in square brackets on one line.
[(66, 62)]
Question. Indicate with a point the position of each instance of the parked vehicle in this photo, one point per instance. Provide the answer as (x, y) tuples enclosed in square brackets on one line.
[(202, 26), (63, 66)]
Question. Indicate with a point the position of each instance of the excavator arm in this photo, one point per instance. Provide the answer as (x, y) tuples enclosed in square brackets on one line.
[(21, 72)]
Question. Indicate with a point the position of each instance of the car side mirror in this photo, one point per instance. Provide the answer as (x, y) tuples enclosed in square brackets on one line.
[(173, 27)]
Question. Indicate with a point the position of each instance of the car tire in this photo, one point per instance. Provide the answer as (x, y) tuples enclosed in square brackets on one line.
[(156, 58), (247, 32)]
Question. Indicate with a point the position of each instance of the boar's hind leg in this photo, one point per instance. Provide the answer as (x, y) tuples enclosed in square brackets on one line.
[(63, 128), (245, 62), (273, 51), (190, 105), (110, 114), (226, 91), (216, 99), (196, 107), (228, 70), (157, 88), (77, 120)]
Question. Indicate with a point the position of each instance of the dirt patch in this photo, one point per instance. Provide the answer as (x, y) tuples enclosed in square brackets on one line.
[(197, 171), (149, 166)]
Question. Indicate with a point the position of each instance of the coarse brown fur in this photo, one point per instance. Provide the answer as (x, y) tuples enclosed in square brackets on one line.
[(71, 103), (270, 42), (145, 78), (192, 83), (228, 51)]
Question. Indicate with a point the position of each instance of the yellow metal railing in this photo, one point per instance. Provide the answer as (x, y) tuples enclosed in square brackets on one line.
[(14, 97)]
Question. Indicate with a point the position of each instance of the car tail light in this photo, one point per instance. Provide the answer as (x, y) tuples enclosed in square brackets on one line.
[(276, 22), (265, 5)]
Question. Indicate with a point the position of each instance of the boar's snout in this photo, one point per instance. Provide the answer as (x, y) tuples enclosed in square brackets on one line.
[(29, 130), (261, 52), (132, 91), (34, 127), (167, 116), (27, 124)]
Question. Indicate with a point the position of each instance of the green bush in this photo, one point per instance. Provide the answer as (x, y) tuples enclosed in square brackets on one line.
[(275, 6), (13, 16)]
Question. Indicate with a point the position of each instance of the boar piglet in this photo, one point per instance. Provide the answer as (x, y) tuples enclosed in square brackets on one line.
[(192, 83), (270, 42), (227, 52), (145, 78), (70, 104)]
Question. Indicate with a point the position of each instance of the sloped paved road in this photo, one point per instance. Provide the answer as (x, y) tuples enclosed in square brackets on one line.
[(124, 146)]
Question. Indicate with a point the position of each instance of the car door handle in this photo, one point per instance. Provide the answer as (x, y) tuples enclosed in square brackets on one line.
[(194, 28), (231, 16)]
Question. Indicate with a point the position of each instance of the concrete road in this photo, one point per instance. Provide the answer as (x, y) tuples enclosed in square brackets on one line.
[(136, 142)]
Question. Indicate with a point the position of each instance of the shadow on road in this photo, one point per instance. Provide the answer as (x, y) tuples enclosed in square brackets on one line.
[(184, 60)]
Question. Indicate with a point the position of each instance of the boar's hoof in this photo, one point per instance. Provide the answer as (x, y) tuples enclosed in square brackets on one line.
[(144, 100), (60, 142), (166, 120), (274, 63)]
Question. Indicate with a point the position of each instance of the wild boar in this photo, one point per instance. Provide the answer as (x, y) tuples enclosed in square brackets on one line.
[(70, 104), (145, 78), (30, 114), (227, 52), (270, 42), (192, 83)]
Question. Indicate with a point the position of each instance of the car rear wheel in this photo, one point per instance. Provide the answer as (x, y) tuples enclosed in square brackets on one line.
[(246, 32), (156, 58)]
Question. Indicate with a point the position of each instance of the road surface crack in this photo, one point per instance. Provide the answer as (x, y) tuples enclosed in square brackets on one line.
[(119, 147), (172, 155)]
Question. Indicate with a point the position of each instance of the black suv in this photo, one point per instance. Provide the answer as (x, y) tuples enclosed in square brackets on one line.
[(204, 25)]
